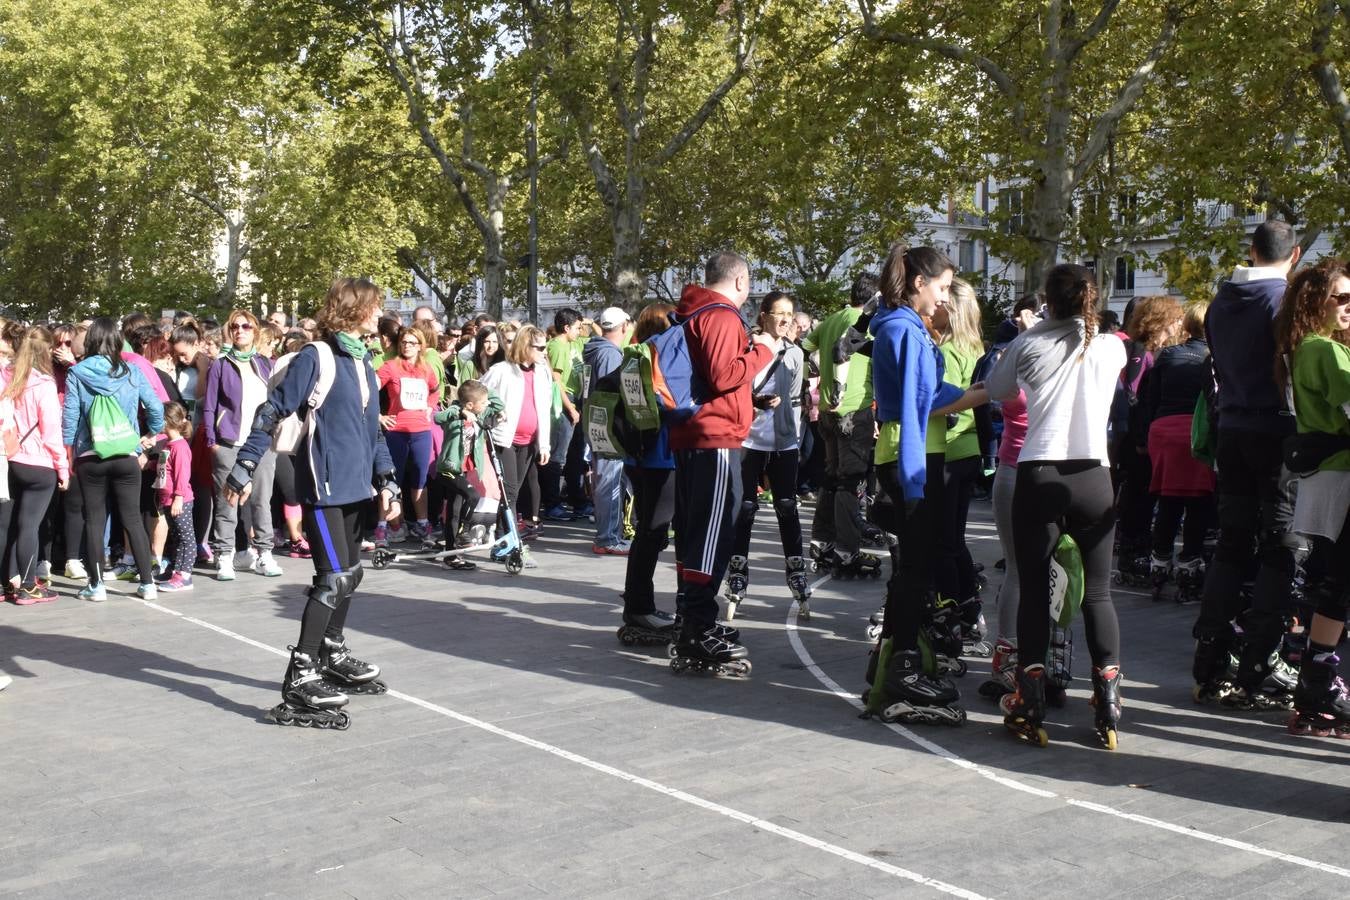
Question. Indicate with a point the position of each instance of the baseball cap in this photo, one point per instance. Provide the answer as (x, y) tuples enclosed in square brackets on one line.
[(613, 317)]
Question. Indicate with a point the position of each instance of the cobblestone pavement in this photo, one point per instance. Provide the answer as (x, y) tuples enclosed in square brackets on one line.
[(524, 751)]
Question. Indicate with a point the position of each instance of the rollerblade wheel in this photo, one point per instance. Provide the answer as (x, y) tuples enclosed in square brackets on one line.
[(1042, 737), (961, 668), (739, 668), (382, 558), (678, 665), (671, 650), (515, 563), (626, 636), (1109, 738)]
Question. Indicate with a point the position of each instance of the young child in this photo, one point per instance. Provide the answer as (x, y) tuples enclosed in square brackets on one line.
[(463, 423), (173, 496)]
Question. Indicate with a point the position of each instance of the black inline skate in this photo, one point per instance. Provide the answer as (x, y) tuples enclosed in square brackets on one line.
[(912, 694), (800, 586), (1059, 665), (648, 629), (940, 637), (1190, 579), (728, 633), (822, 555), (855, 565), (308, 700), (738, 582), (974, 629), (1133, 569), (1261, 680), (1321, 702), (1212, 665), (346, 672), (708, 652), (1024, 709), (1106, 705), (1159, 574)]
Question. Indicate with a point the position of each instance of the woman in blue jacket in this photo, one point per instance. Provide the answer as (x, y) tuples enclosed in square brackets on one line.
[(102, 372), (907, 371), (339, 465)]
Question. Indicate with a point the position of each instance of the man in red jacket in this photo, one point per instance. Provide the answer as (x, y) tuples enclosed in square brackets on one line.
[(708, 451)]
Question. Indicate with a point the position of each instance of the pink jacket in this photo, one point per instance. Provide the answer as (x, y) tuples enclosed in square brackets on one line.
[(38, 405)]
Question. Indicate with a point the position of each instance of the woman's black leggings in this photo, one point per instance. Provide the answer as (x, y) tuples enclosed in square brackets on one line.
[(334, 536), (30, 490), (1199, 513), (1072, 497), (521, 474), (911, 580), (781, 467), (653, 511), (119, 476), (955, 576)]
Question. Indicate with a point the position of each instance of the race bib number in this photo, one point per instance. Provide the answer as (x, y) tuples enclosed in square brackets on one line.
[(413, 393), (161, 470)]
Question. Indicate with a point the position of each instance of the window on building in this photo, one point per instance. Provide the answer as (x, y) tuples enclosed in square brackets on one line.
[(965, 252), (1010, 203), (1124, 275)]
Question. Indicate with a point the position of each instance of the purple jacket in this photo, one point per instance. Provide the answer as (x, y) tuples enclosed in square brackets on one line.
[(224, 390)]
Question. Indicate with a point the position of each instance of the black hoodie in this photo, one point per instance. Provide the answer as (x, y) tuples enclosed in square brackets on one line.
[(1240, 327)]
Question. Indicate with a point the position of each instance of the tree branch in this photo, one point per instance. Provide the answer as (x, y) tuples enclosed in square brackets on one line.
[(1327, 78), (745, 52), (409, 260), (210, 204), (1093, 31), (1125, 100)]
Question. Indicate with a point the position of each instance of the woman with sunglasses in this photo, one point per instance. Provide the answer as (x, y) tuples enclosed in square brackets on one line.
[(236, 385), (65, 519), (408, 386), (521, 435), (1311, 332)]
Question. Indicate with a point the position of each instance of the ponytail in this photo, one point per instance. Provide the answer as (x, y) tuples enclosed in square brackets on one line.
[(1071, 290)]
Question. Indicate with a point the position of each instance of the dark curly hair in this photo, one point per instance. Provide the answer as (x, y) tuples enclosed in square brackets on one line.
[(1303, 312)]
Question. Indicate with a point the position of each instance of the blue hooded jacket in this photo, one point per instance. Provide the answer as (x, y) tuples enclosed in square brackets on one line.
[(1240, 331), (92, 377), (338, 459), (907, 383)]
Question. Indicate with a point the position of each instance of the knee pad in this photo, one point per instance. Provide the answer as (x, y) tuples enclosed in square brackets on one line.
[(328, 589), (354, 576), (748, 509), (784, 506)]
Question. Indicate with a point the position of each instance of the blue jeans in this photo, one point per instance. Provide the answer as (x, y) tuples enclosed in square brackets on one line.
[(608, 499)]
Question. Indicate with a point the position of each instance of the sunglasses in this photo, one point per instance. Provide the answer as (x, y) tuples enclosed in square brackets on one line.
[(240, 326), (541, 346), (411, 343), (1340, 299)]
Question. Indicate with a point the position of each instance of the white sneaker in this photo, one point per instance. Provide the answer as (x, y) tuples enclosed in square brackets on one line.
[(264, 564), (44, 570), (147, 592), (225, 567), (75, 570), (398, 535)]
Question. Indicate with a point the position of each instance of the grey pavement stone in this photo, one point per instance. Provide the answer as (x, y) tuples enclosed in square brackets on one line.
[(138, 762)]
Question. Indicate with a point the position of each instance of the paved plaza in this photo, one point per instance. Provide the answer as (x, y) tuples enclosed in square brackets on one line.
[(524, 752)]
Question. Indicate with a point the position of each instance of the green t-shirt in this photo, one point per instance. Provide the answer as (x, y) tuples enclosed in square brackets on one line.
[(563, 356), (433, 359), (1321, 392), (888, 444), (855, 376), (962, 442)]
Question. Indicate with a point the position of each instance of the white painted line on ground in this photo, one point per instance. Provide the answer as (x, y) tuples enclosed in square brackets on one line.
[(794, 638), (674, 793)]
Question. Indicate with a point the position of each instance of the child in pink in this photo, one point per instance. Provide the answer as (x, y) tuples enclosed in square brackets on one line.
[(173, 497)]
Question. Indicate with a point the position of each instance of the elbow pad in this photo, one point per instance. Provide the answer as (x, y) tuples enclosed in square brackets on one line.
[(267, 417)]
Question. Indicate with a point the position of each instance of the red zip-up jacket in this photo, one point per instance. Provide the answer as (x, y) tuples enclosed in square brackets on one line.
[(718, 349)]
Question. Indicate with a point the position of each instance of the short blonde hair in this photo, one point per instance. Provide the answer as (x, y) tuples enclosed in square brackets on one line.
[(1193, 320), (521, 351)]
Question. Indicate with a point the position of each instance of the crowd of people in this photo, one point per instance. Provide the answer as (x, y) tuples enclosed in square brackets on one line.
[(145, 452)]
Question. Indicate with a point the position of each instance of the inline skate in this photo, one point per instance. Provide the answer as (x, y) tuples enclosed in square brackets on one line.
[(738, 582), (1106, 705), (940, 639), (973, 629), (846, 566), (1024, 709), (874, 623), (822, 554), (728, 633), (1212, 665), (1321, 703), (1133, 569), (707, 651), (1159, 574), (1059, 665), (1002, 671), (307, 700), (648, 629), (800, 586), (902, 690), (1190, 579), (346, 672), (1262, 685)]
